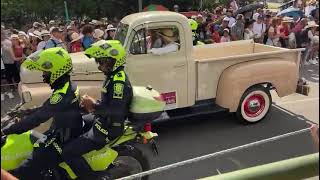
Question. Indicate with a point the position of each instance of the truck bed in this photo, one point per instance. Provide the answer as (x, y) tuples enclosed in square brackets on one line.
[(212, 60), (215, 52)]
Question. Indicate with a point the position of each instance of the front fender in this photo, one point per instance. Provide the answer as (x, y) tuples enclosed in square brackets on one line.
[(17, 148), (236, 79)]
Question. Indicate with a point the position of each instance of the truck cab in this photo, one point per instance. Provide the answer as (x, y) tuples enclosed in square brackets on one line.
[(170, 73)]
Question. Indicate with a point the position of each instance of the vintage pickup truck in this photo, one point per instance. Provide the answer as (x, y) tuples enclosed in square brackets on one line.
[(235, 77)]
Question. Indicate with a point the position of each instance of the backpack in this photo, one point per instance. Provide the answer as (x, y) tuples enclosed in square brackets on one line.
[(54, 43), (266, 36)]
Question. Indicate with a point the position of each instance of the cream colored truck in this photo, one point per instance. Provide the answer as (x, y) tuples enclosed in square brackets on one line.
[(235, 76)]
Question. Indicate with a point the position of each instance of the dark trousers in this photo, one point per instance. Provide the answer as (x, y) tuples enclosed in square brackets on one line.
[(12, 74), (91, 140), (41, 158)]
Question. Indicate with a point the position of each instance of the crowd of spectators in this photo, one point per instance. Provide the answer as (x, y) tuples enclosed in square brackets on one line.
[(74, 37), (216, 26), (263, 26)]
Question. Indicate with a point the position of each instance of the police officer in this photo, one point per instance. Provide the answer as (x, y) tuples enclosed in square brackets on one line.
[(108, 114), (62, 106), (195, 38)]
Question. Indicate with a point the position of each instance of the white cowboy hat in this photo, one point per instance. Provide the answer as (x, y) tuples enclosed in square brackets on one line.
[(168, 35), (21, 33), (98, 33), (226, 19), (45, 33), (110, 28), (51, 22), (14, 36), (227, 30), (36, 34), (287, 19), (311, 24), (75, 37), (93, 22)]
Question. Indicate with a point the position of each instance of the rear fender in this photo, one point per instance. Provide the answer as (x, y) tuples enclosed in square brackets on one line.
[(235, 80), (98, 160)]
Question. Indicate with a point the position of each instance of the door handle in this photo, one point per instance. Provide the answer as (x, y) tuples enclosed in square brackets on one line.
[(179, 65)]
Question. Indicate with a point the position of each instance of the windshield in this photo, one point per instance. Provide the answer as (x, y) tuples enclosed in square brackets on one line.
[(122, 32)]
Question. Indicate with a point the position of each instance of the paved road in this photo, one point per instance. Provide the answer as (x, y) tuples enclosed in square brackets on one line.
[(180, 141)]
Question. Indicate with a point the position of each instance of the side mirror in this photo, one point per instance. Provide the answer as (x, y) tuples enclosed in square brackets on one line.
[(26, 97)]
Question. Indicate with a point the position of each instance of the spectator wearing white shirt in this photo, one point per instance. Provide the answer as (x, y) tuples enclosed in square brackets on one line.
[(259, 29), (169, 40), (313, 44), (311, 5), (232, 20), (248, 32)]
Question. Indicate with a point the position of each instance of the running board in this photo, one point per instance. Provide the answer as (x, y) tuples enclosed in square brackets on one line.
[(199, 109)]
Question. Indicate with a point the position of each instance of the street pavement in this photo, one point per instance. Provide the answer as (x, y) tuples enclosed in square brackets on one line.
[(190, 138)]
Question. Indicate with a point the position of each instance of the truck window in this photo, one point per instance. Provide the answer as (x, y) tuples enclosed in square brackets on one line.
[(138, 44), (121, 32), (153, 39)]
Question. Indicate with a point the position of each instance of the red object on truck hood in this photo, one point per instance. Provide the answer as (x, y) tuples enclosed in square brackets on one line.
[(190, 13)]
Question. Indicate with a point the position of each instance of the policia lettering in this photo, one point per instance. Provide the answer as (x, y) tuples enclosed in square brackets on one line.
[(103, 131)]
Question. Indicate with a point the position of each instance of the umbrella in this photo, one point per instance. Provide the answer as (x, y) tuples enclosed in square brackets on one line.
[(250, 7), (291, 12), (154, 7)]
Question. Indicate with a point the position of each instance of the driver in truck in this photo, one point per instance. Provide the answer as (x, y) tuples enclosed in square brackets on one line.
[(55, 63), (107, 115), (169, 42)]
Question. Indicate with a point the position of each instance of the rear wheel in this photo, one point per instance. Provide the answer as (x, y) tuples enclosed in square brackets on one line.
[(254, 105), (129, 161)]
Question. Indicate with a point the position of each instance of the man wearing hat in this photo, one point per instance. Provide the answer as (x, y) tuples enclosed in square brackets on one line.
[(284, 30), (313, 43), (223, 26), (35, 26), (110, 32), (97, 35), (169, 42), (45, 35), (51, 23), (237, 29), (232, 20), (56, 38)]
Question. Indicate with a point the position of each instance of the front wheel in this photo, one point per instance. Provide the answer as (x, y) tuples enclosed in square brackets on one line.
[(254, 105), (130, 161)]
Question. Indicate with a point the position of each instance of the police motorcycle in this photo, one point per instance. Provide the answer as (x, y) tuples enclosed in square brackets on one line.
[(117, 159)]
